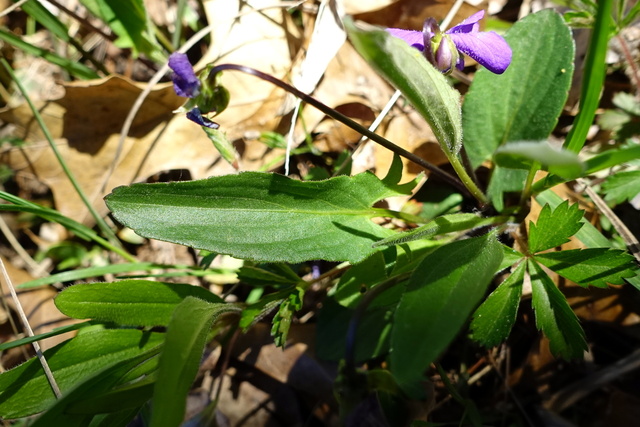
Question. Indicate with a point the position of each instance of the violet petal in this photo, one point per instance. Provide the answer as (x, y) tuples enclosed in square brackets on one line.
[(196, 116), (185, 81), (488, 48), (413, 38), (469, 25)]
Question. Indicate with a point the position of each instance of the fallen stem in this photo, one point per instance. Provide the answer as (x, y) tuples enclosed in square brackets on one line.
[(29, 331), (445, 176)]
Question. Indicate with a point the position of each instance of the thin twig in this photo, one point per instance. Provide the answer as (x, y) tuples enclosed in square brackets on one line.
[(626, 234), (445, 176), (12, 8), (27, 328)]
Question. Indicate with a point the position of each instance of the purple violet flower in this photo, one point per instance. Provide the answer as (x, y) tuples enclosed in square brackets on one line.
[(187, 84), (444, 50)]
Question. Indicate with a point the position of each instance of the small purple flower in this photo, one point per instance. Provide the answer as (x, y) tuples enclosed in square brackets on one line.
[(185, 81), (187, 84), (444, 50)]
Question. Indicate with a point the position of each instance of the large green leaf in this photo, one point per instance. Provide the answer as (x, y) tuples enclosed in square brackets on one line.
[(261, 216), (554, 317), (593, 266), (420, 83), (128, 302), (441, 294), (524, 103), (493, 320), (180, 357), (24, 390)]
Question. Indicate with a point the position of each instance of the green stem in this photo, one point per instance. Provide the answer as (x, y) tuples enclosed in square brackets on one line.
[(467, 180), (526, 192), (108, 232), (593, 78)]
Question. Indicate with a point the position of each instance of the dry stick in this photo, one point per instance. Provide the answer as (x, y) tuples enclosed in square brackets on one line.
[(12, 8), (621, 228), (27, 327), (445, 176), (635, 74)]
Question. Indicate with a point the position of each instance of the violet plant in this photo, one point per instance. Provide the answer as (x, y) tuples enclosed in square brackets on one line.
[(397, 299)]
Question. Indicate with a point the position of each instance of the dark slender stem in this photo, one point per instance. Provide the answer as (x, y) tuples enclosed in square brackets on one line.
[(350, 350), (450, 179)]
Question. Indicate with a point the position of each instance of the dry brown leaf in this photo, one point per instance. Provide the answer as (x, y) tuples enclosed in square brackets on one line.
[(85, 125)]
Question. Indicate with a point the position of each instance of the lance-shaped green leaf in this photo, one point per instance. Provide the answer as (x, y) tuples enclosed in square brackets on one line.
[(554, 227), (421, 84), (441, 225), (522, 155), (261, 216), (594, 266), (25, 390), (128, 302), (439, 298), (493, 320), (554, 317), (180, 358)]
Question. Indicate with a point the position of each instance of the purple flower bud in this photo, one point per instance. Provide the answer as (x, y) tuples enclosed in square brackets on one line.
[(488, 48), (185, 81), (196, 116)]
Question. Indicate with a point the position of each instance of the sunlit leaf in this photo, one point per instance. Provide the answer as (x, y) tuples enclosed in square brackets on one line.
[(128, 302), (261, 216)]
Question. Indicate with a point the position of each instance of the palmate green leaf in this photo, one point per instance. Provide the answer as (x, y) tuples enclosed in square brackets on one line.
[(261, 216), (524, 103), (128, 302), (426, 89), (523, 155), (180, 358), (621, 187), (594, 266), (439, 298), (441, 225), (493, 320), (554, 227), (25, 391), (587, 233), (554, 317)]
